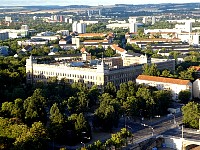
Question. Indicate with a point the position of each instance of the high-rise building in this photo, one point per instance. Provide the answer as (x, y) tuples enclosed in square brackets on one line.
[(144, 20), (55, 17), (132, 19), (153, 20), (89, 13), (133, 27), (188, 26), (81, 28), (61, 18), (66, 20), (74, 26), (99, 12), (70, 20)]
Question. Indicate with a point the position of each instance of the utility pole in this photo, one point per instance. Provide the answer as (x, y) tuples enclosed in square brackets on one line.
[(182, 131), (199, 124)]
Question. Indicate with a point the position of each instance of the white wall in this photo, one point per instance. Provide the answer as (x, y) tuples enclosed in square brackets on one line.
[(173, 143)]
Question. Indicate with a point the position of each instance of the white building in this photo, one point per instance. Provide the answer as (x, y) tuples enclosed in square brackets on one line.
[(81, 28), (187, 27), (8, 19), (133, 27), (24, 27), (118, 25), (89, 22), (196, 88), (132, 20), (153, 20), (12, 33), (63, 32), (70, 20), (144, 20), (74, 71), (74, 26), (161, 83)]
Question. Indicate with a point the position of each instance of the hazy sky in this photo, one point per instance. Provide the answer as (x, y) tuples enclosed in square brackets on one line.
[(86, 2)]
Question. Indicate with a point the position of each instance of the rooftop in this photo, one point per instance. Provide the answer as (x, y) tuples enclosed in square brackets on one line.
[(91, 34), (164, 80), (117, 48)]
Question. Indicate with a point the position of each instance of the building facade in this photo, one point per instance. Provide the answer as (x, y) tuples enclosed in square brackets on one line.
[(4, 35), (161, 83), (98, 75)]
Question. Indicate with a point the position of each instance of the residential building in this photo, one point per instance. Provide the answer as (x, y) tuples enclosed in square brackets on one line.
[(24, 27), (118, 25), (3, 50), (49, 38), (197, 71), (118, 49), (91, 35), (153, 20), (133, 27), (63, 32), (8, 19), (144, 20), (35, 41), (89, 22), (196, 88), (4, 35), (132, 19), (161, 83), (79, 27), (12, 33)]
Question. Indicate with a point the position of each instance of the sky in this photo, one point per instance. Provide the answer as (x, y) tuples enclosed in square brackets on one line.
[(86, 2)]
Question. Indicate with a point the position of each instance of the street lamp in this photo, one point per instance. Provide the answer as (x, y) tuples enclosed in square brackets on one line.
[(174, 118), (83, 145)]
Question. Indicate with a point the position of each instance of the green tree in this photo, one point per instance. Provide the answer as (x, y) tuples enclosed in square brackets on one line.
[(163, 99), (55, 115), (191, 114), (110, 88), (35, 107), (184, 96), (18, 110), (36, 138), (150, 69), (165, 73), (122, 93)]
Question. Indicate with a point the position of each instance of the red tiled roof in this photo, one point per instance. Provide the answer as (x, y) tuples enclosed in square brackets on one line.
[(91, 34), (162, 32), (97, 41), (83, 50), (197, 68), (117, 48), (155, 40), (162, 79)]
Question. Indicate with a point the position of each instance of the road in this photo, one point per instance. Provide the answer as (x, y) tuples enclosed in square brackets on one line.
[(140, 132)]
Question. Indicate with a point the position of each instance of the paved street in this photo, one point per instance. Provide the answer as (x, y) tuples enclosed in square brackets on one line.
[(154, 127)]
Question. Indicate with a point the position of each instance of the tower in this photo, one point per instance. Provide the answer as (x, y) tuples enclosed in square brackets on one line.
[(153, 20), (133, 27)]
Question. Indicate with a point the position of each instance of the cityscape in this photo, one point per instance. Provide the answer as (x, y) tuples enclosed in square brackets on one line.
[(99, 75)]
